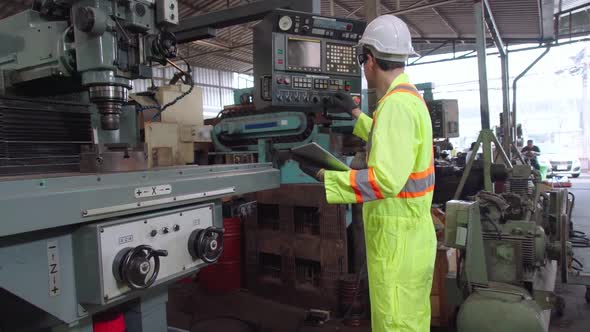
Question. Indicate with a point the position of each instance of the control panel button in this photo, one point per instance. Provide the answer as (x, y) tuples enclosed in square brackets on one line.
[(176, 228), (165, 230), (287, 80), (153, 233)]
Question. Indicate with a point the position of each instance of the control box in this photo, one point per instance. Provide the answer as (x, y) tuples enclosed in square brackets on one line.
[(444, 114), (114, 258), (301, 60)]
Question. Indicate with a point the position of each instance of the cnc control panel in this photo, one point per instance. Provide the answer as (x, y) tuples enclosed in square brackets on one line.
[(301, 60)]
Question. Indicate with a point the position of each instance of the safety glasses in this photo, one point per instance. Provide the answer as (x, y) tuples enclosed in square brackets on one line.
[(362, 58)]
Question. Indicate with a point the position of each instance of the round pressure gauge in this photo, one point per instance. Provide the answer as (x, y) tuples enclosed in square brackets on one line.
[(285, 23)]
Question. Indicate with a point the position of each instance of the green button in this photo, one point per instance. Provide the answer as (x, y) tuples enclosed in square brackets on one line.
[(279, 51)]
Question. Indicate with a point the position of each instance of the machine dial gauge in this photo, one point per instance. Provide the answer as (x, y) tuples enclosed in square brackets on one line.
[(285, 23)]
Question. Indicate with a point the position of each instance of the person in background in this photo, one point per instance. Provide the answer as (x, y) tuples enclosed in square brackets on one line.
[(397, 187), (468, 155), (531, 152)]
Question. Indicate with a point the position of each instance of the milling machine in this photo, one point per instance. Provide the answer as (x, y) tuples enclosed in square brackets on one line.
[(73, 245)]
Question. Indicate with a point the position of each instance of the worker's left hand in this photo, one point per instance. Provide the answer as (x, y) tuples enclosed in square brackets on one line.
[(315, 172)]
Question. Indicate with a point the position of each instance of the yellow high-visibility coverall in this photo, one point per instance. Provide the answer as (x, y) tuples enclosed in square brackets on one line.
[(396, 191)]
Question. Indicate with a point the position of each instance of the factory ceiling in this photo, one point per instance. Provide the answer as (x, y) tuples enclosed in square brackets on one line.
[(437, 26)]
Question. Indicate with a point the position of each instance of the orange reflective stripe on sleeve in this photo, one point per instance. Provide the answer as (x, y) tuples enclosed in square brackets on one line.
[(374, 184), (423, 174), (357, 193), (419, 183), (416, 194)]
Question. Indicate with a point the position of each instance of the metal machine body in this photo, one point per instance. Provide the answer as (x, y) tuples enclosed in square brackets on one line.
[(98, 46), (61, 237), (300, 61), (504, 269), (73, 245)]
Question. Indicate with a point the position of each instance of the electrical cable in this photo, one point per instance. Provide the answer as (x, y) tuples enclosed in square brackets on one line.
[(187, 78)]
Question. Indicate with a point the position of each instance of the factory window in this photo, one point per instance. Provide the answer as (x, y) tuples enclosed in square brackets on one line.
[(307, 220), (269, 266), (268, 216), (307, 273)]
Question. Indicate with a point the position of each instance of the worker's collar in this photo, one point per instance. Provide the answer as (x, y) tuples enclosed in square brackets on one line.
[(401, 78)]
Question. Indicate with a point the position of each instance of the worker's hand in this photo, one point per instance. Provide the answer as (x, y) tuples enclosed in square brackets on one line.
[(315, 172), (344, 102)]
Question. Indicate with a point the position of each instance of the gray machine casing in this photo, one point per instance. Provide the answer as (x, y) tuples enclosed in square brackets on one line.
[(96, 245)]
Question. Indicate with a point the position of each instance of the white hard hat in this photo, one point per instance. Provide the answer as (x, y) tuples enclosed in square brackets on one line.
[(390, 37)]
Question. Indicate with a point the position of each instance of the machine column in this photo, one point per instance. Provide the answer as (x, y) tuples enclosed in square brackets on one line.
[(149, 315)]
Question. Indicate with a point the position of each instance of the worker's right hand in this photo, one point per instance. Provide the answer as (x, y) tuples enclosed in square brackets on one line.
[(344, 102)]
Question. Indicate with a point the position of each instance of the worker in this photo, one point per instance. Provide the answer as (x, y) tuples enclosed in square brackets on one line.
[(397, 187), (530, 152), (470, 152)]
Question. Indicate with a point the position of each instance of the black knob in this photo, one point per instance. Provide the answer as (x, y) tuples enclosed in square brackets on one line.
[(289, 99), (326, 100), (165, 230), (153, 233), (315, 99), (176, 228), (206, 244), (138, 267)]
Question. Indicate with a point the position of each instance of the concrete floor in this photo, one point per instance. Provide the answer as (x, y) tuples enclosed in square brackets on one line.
[(577, 312), (191, 309)]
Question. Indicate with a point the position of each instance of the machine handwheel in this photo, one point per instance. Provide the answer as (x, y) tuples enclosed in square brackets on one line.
[(206, 244), (138, 267)]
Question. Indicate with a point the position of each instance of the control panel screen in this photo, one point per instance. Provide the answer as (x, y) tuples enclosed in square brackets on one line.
[(327, 23), (304, 53)]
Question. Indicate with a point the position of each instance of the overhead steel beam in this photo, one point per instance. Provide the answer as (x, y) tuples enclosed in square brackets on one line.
[(420, 6), (372, 9), (546, 18), (493, 27), (353, 13), (237, 15), (349, 10), (410, 25), (446, 21)]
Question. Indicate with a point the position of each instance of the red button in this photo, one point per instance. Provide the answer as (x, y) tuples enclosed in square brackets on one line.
[(349, 27), (347, 87), (280, 61), (279, 80)]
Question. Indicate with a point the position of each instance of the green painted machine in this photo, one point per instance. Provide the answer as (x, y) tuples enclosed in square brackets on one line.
[(510, 247), (84, 232)]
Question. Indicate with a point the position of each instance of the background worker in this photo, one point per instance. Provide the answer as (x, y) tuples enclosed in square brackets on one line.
[(398, 185)]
